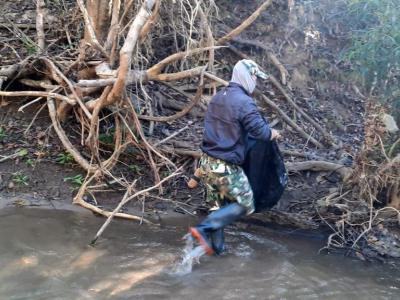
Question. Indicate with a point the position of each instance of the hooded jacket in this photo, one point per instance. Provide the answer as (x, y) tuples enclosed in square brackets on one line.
[(232, 117)]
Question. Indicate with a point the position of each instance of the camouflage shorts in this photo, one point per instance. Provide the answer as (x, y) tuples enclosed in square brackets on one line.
[(225, 180)]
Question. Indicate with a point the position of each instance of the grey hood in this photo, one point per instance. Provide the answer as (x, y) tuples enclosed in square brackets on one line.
[(241, 75)]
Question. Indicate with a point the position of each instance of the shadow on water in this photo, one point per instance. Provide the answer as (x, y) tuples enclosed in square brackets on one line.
[(45, 256)]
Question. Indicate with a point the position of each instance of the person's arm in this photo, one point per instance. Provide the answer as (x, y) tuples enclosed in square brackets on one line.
[(254, 123)]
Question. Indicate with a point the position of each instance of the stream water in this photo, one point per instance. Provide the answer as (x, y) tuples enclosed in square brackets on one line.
[(44, 255)]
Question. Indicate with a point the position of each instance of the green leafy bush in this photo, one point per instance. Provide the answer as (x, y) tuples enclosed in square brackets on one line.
[(375, 49)]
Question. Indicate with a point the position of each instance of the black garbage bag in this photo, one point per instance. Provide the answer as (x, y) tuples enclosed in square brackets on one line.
[(265, 169)]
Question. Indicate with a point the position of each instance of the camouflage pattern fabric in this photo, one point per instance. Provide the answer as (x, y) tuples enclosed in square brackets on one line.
[(225, 180)]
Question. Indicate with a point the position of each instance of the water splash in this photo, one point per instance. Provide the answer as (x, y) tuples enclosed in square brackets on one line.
[(190, 256)]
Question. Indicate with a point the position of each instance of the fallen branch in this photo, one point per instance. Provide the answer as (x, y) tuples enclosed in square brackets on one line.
[(128, 198), (317, 166), (246, 23), (142, 77), (157, 68), (65, 141), (60, 74), (38, 94), (173, 135)]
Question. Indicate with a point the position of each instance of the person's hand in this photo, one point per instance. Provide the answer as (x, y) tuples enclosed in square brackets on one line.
[(275, 135)]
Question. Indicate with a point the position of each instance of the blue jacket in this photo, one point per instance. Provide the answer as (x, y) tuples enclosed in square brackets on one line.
[(232, 117)]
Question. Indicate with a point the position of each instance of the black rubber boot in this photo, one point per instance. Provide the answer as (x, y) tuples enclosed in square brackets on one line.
[(218, 240), (212, 226)]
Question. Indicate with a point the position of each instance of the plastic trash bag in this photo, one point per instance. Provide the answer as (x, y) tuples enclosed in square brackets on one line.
[(265, 169)]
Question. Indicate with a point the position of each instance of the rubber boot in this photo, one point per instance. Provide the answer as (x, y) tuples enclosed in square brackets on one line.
[(216, 221), (217, 240)]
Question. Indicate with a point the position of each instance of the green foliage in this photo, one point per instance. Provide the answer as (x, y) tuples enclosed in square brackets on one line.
[(64, 158), (106, 138), (2, 134), (76, 180), (375, 50), (20, 178), (22, 152), (135, 169), (31, 163)]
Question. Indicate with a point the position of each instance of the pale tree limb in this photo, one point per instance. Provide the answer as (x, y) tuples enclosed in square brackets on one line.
[(65, 141), (150, 22), (246, 23), (92, 139), (38, 94), (127, 197), (315, 165), (114, 28), (125, 57), (53, 67), (90, 29), (78, 199), (280, 67), (40, 12), (210, 43), (21, 108), (157, 68), (141, 77)]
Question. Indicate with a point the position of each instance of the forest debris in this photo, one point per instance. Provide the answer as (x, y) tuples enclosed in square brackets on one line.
[(390, 123), (128, 197)]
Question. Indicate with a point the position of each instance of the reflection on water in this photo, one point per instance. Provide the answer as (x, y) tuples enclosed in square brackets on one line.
[(44, 255)]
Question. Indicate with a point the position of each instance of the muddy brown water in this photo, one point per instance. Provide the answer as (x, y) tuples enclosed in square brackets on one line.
[(44, 255)]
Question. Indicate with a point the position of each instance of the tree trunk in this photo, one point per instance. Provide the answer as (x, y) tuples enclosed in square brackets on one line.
[(100, 17)]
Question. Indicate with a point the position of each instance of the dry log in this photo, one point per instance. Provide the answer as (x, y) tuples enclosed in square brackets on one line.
[(318, 166), (246, 23)]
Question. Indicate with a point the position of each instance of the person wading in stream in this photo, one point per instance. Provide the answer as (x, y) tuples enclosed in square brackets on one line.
[(231, 119)]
